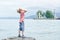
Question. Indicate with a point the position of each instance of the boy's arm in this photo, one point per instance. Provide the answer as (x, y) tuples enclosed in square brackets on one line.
[(18, 11)]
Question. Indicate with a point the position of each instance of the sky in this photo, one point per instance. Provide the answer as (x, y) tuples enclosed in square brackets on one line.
[(8, 7)]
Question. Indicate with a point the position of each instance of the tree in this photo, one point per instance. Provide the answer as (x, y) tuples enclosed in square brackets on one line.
[(49, 14), (39, 14)]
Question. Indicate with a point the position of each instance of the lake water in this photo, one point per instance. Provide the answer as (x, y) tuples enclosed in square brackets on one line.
[(38, 29)]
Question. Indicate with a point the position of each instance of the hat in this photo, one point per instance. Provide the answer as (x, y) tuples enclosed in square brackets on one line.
[(21, 9)]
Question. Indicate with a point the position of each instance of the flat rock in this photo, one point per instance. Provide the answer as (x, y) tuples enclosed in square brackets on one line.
[(20, 38)]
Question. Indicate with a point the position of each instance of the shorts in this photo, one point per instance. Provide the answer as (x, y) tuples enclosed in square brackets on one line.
[(21, 26)]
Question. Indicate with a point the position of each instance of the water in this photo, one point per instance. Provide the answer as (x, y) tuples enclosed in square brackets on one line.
[(38, 29)]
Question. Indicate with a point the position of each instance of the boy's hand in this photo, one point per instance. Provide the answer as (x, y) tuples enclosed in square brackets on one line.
[(25, 11)]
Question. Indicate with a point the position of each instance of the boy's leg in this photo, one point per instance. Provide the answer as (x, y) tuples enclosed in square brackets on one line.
[(22, 33), (22, 29), (19, 29), (19, 34)]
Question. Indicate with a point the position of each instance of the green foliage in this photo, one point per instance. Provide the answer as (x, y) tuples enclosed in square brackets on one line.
[(49, 14), (43, 14), (39, 13)]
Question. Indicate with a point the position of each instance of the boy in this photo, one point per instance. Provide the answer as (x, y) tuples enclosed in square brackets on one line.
[(21, 21)]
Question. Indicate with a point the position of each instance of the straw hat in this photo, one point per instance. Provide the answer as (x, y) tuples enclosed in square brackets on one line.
[(21, 9)]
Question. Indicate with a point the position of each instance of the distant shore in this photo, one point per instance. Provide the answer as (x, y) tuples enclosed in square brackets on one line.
[(27, 18)]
